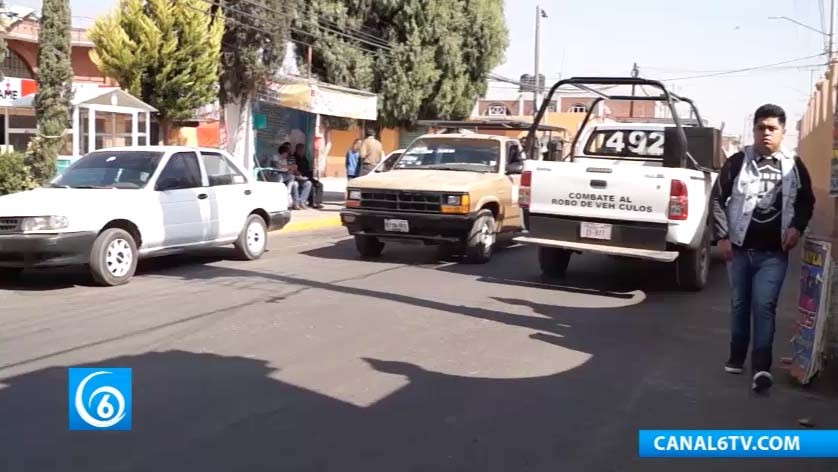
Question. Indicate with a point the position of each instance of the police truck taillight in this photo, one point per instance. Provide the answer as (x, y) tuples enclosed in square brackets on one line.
[(524, 190), (678, 201)]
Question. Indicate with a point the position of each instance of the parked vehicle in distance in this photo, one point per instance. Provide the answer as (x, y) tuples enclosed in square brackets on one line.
[(115, 206)]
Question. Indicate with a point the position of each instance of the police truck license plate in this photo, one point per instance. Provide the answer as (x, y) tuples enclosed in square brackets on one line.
[(596, 231), (399, 226)]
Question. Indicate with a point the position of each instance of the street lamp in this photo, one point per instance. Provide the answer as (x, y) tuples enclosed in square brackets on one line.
[(829, 35)]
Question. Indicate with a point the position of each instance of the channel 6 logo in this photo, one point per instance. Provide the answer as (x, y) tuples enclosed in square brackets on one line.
[(99, 398)]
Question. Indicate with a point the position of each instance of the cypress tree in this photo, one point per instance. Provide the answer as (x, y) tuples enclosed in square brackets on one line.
[(55, 82)]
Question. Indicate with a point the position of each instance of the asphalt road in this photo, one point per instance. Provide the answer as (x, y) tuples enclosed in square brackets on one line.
[(312, 360)]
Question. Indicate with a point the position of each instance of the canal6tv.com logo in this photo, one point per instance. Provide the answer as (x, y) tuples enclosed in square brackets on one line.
[(99, 398)]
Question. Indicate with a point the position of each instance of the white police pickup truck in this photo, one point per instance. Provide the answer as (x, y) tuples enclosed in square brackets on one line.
[(114, 206), (631, 189)]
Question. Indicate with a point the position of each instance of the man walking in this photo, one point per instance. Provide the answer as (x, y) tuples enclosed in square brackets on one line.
[(762, 203), (371, 152)]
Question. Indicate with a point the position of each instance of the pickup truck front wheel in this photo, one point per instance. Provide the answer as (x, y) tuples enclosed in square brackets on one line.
[(368, 246), (693, 266), (553, 261), (10, 274), (481, 239), (113, 258)]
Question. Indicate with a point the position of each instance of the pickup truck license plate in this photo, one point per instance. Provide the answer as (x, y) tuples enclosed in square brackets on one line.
[(399, 226), (596, 231)]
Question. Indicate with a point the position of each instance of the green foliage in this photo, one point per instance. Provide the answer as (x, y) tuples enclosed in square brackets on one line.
[(165, 51), (253, 45), (15, 175), (441, 52), (55, 89), (4, 49)]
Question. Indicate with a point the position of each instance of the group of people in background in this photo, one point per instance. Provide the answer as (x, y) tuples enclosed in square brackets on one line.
[(363, 156), (298, 175)]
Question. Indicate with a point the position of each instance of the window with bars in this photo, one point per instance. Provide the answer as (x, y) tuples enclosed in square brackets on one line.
[(14, 66)]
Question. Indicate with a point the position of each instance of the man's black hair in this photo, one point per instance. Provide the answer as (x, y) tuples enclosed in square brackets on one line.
[(284, 147), (770, 111), (370, 133)]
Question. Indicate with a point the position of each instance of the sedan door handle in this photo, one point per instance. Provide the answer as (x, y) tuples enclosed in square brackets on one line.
[(202, 196), (248, 192)]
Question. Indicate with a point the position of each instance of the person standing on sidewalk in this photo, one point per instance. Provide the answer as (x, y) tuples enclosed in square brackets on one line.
[(762, 203), (352, 160), (371, 153)]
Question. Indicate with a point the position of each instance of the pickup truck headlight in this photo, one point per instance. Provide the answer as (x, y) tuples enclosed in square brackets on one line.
[(353, 198), (455, 204), (44, 223), (453, 200)]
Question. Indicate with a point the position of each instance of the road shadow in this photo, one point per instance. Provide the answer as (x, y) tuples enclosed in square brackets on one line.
[(59, 278), (517, 265), (209, 412)]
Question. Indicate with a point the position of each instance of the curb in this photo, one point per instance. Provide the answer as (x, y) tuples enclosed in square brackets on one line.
[(330, 221)]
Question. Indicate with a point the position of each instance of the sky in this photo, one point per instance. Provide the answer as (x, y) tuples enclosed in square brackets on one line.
[(669, 39), (675, 39)]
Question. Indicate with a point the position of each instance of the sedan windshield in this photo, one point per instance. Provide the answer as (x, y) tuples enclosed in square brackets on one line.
[(476, 155), (110, 169)]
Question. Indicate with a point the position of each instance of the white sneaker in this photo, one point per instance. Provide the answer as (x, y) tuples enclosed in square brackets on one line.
[(762, 381)]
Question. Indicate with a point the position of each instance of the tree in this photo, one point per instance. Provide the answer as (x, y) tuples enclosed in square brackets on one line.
[(435, 62), (253, 48), (3, 47), (164, 51), (55, 89)]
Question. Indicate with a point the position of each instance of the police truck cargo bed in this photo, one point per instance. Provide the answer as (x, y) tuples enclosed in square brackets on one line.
[(629, 189)]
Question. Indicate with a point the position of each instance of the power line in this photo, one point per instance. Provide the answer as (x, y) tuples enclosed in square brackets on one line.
[(377, 43), (746, 69), (256, 28)]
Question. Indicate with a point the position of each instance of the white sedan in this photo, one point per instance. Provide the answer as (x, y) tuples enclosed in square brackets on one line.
[(114, 206)]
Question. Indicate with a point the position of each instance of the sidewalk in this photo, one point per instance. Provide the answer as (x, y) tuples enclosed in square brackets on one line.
[(334, 191)]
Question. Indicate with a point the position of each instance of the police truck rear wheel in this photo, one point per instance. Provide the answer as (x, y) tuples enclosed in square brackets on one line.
[(553, 261), (368, 246), (693, 266)]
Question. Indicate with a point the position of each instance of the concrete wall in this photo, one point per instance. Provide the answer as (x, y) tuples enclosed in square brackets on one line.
[(815, 147)]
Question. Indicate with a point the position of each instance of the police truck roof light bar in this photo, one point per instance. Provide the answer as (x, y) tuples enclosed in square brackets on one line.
[(584, 83)]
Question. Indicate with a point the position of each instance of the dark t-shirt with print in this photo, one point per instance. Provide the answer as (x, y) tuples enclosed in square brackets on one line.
[(764, 231)]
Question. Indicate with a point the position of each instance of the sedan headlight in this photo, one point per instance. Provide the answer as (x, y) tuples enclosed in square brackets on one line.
[(354, 194), (44, 223)]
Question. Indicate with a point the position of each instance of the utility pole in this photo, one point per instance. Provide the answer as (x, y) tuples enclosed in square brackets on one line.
[(539, 14), (831, 29), (635, 73)]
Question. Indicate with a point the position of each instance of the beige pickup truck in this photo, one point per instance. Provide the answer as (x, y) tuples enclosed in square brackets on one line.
[(458, 190)]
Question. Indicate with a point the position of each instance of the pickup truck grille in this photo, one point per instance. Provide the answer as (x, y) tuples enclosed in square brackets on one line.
[(399, 200), (9, 225)]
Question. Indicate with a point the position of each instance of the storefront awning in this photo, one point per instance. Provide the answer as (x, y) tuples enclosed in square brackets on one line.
[(324, 99)]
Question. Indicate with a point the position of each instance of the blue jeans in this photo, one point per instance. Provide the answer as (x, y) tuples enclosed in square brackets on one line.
[(756, 279)]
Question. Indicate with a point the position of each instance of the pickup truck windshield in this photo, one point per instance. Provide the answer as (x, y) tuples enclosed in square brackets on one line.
[(464, 154), (626, 143), (111, 169)]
